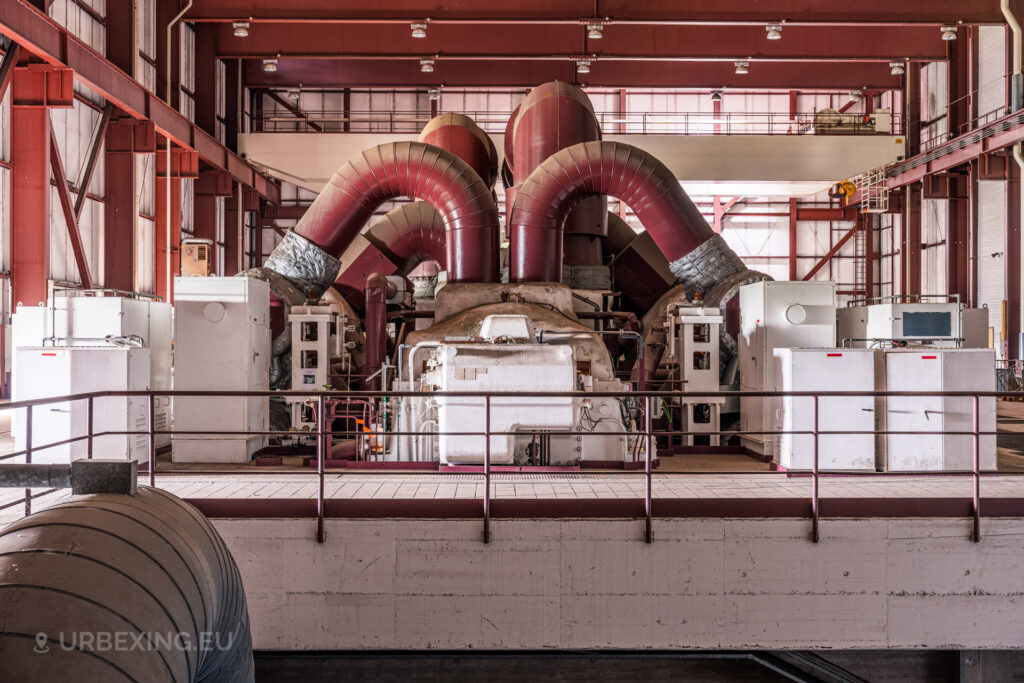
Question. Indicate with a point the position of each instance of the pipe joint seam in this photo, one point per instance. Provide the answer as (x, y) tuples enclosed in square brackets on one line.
[(304, 264)]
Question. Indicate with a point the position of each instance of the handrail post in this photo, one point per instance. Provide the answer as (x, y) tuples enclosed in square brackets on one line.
[(28, 456), (648, 429), (976, 467), (152, 440), (487, 469), (320, 457), (815, 502), (89, 425)]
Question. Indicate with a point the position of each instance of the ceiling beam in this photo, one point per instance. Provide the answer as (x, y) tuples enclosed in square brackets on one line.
[(681, 43), (312, 73), (721, 12)]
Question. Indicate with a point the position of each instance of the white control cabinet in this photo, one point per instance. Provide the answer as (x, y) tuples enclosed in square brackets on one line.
[(776, 315), (937, 370), (222, 343), (826, 370), (693, 344), (61, 371), (76, 320)]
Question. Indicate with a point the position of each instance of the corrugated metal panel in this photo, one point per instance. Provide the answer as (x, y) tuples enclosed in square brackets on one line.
[(933, 233), (991, 69), (145, 230), (991, 252)]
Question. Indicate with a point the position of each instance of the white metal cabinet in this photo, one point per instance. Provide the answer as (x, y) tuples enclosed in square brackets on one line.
[(61, 371), (936, 371), (777, 315), (222, 342), (827, 370)]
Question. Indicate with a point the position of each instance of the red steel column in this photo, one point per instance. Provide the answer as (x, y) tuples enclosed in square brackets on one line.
[(911, 261), (1012, 261), (792, 238), (869, 254), (30, 200), (957, 237), (162, 247)]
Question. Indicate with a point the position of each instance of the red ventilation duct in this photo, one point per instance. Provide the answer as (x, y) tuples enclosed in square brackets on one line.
[(410, 234), (378, 291), (698, 257), (461, 136), (411, 169)]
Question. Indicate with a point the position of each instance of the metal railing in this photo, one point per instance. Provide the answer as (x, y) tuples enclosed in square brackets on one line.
[(638, 123), (648, 434)]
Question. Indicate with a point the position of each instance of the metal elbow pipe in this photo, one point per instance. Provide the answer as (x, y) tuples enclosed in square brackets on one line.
[(148, 572), (699, 258), (378, 174), (410, 234)]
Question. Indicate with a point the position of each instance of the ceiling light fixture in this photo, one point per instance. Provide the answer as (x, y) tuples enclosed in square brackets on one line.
[(241, 28), (595, 31), (856, 95), (774, 31), (896, 68), (293, 95), (427, 66), (949, 32), (716, 95), (270, 65), (419, 30), (583, 66), (742, 66), (434, 94)]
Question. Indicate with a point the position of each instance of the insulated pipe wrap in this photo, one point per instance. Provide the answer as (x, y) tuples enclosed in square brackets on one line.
[(121, 588), (418, 170), (642, 182)]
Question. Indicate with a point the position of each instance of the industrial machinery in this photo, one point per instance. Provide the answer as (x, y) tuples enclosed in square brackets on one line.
[(318, 344), (776, 315), (937, 321), (692, 350), (98, 319), (222, 343)]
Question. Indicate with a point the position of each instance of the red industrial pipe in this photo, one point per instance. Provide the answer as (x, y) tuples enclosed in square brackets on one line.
[(410, 234), (554, 116), (461, 136), (411, 169), (378, 291), (697, 256)]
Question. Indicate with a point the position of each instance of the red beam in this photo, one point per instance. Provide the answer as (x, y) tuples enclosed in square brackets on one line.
[(832, 252), (488, 41), (719, 13), (30, 204), (94, 155), (162, 246), (7, 67), (293, 109), (70, 218), (792, 237), (286, 212), (120, 209), (45, 38), (610, 74), (1012, 262)]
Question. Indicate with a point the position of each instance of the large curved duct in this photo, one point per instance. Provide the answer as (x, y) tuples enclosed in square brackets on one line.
[(121, 588), (410, 234), (460, 135), (411, 169), (554, 116), (699, 258)]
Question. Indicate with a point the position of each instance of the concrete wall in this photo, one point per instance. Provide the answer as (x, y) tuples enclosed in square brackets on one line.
[(703, 583)]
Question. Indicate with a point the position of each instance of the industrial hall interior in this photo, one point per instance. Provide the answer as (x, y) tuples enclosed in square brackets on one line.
[(437, 340)]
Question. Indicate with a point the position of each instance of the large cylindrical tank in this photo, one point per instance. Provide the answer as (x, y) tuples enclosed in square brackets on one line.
[(121, 588)]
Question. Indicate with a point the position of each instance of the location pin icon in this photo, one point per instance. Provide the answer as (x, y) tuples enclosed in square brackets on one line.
[(41, 646)]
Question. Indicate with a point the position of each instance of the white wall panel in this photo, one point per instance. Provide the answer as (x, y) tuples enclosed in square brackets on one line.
[(991, 253), (933, 234), (145, 249), (991, 69)]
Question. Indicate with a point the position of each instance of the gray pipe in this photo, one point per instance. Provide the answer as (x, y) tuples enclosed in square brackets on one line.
[(121, 588)]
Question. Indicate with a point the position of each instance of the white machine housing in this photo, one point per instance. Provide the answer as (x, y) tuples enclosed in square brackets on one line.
[(693, 346), (50, 371), (826, 370), (776, 315), (936, 370), (509, 358), (83, 319), (314, 348), (222, 343), (938, 324)]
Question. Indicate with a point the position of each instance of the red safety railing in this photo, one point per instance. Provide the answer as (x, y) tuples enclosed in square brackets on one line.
[(648, 434)]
